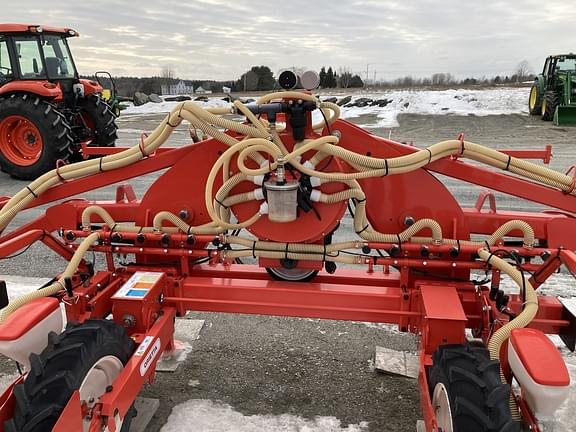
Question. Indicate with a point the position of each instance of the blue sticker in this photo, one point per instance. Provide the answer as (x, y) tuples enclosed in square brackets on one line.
[(136, 293)]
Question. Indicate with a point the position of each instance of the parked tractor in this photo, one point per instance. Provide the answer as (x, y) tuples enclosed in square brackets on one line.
[(46, 111), (553, 94)]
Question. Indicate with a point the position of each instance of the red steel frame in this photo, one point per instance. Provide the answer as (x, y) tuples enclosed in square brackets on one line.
[(401, 289)]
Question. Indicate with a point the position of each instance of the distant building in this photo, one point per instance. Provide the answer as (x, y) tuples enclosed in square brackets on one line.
[(226, 90), (201, 90), (180, 88)]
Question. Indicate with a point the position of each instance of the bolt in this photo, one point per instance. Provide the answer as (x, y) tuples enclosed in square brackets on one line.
[(183, 214), (129, 321), (409, 220)]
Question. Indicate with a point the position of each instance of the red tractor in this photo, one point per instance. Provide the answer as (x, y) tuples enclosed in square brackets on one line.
[(46, 111)]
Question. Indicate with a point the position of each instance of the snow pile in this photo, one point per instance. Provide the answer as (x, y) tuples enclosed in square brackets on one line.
[(496, 101), (206, 416)]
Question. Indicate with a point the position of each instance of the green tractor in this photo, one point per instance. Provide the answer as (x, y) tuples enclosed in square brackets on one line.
[(553, 94)]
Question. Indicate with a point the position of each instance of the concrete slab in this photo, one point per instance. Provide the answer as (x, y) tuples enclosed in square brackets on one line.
[(396, 362), (146, 408), (188, 330)]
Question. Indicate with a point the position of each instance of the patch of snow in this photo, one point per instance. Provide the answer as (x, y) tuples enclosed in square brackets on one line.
[(559, 284), (20, 285), (202, 415), (165, 107)]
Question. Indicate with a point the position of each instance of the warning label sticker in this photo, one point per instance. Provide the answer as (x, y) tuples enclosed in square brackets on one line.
[(138, 285)]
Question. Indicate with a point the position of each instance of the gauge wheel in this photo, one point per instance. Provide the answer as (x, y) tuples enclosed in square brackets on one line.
[(86, 357), (291, 274), (467, 393)]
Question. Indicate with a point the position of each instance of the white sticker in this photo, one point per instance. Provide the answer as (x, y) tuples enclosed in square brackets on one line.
[(154, 351), (144, 345)]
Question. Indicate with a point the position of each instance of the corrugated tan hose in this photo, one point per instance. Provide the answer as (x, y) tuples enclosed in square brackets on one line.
[(260, 140), (56, 286), (522, 320)]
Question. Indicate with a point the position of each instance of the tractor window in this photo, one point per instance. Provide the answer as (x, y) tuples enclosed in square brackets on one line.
[(567, 64), (546, 67), (29, 57), (5, 66), (57, 57)]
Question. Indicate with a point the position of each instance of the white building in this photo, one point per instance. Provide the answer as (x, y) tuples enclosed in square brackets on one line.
[(180, 88), (201, 90)]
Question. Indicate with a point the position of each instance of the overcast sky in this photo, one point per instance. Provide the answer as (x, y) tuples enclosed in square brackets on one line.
[(220, 39)]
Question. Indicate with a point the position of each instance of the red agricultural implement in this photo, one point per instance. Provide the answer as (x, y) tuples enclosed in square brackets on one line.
[(272, 190)]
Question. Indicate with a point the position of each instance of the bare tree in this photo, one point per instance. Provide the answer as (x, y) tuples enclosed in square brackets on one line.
[(523, 71), (168, 74), (345, 76)]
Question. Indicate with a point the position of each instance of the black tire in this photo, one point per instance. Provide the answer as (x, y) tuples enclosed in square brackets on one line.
[(291, 275), (478, 400), (551, 101), (535, 100), (60, 369), (103, 120), (52, 127)]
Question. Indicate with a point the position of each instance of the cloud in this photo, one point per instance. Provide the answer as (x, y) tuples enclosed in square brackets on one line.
[(220, 39)]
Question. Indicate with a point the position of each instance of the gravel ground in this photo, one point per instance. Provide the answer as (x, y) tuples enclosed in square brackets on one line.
[(270, 365)]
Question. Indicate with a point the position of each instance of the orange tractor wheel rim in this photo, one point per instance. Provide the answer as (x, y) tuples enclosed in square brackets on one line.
[(20, 140)]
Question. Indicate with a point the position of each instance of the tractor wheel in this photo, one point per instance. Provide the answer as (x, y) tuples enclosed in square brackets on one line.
[(100, 119), (33, 136), (535, 101), (85, 357), (549, 105), (467, 393)]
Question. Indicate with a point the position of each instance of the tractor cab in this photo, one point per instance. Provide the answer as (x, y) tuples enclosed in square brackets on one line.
[(558, 64), (36, 55)]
